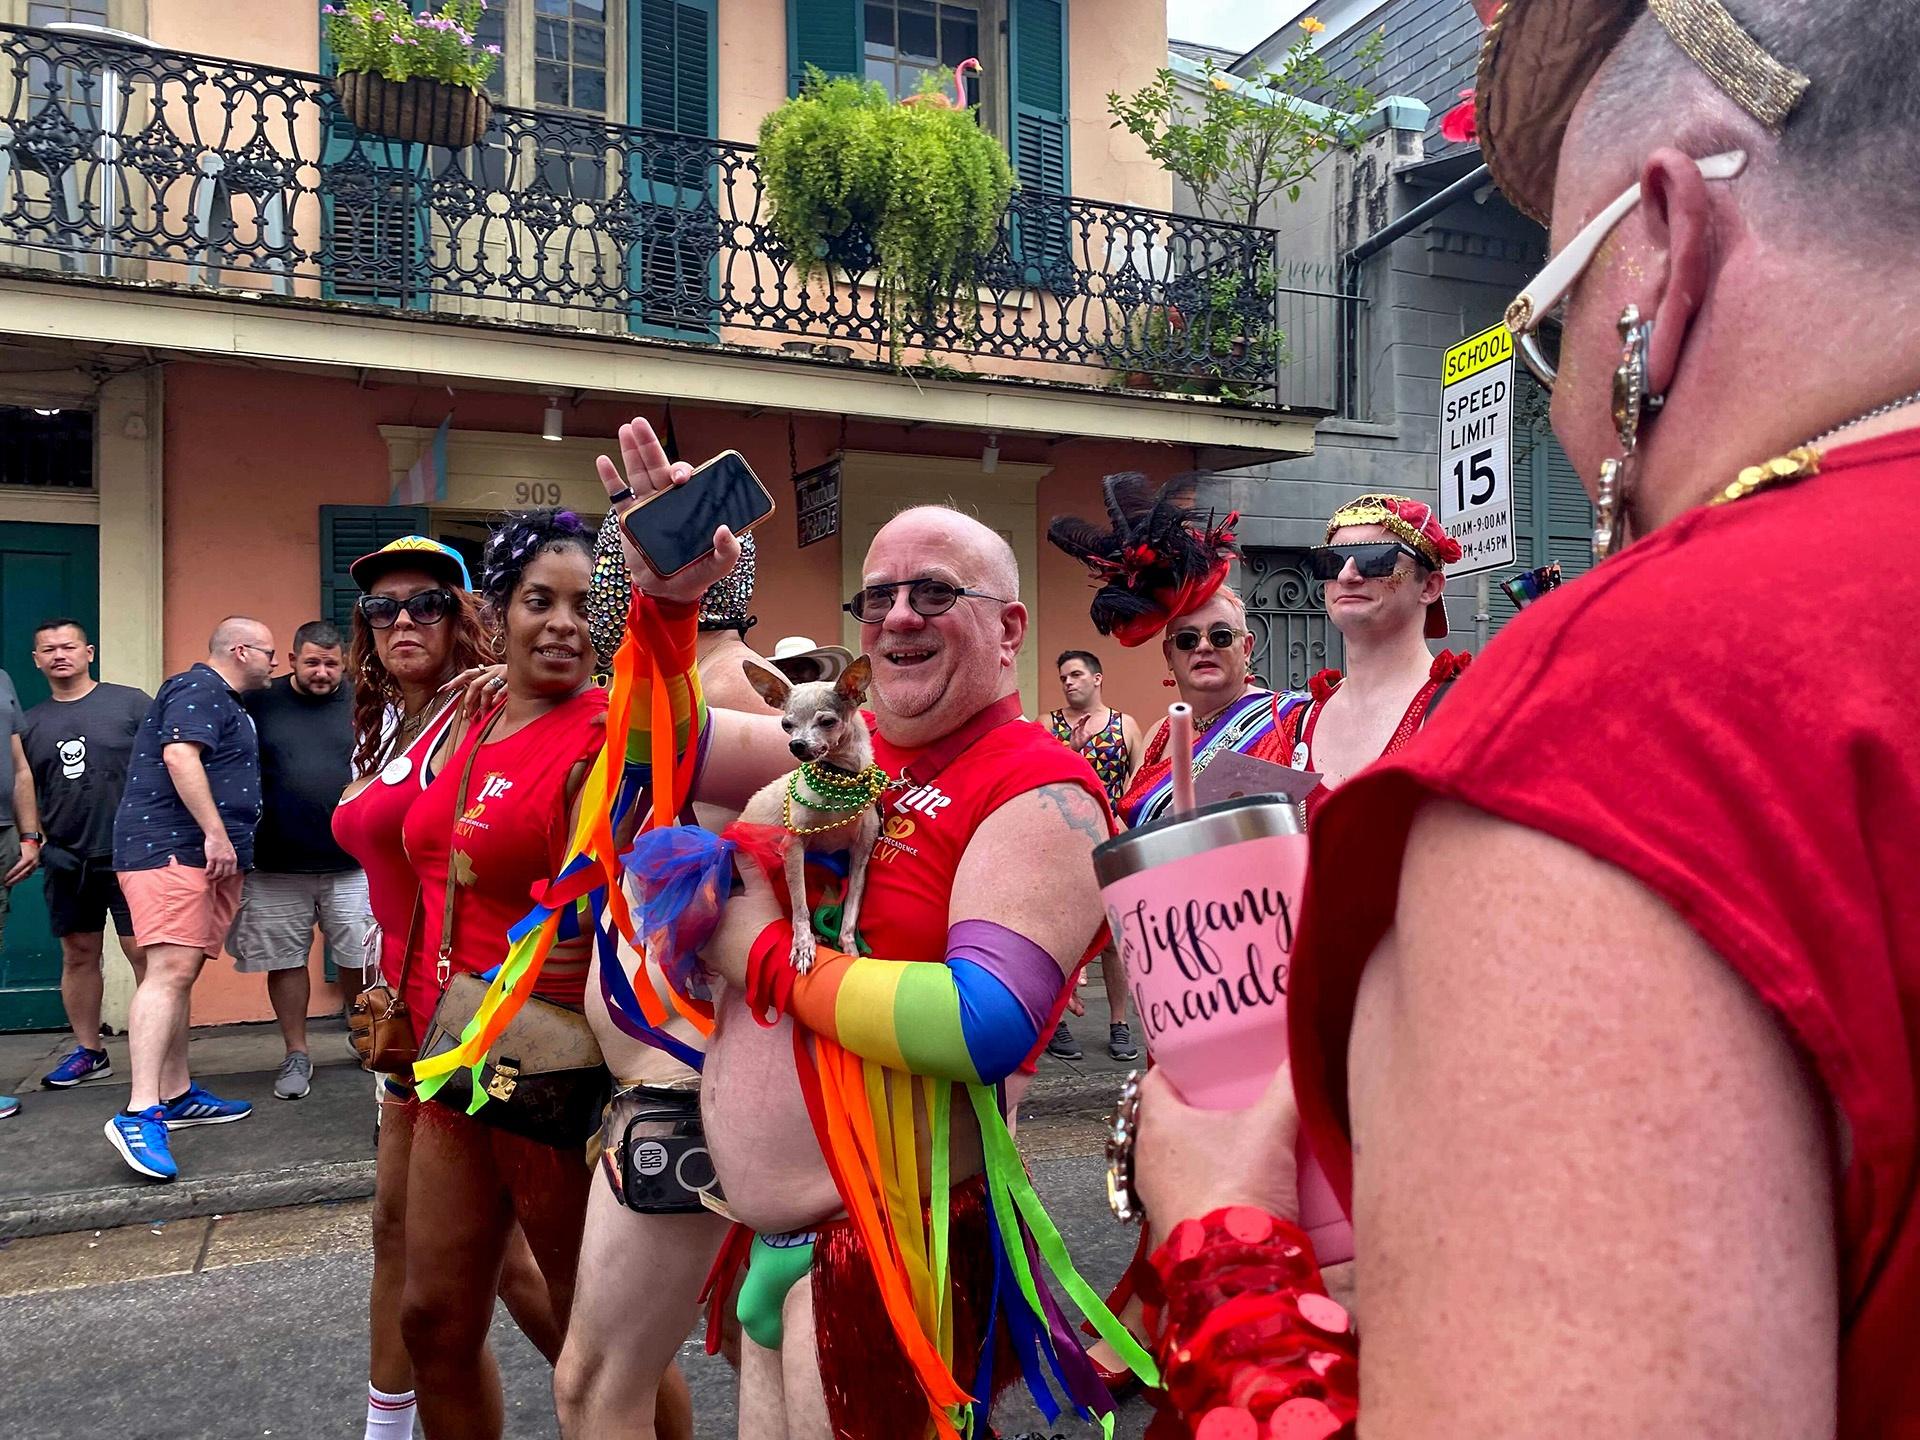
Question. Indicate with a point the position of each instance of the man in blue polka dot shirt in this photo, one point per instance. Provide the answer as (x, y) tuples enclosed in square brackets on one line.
[(182, 841)]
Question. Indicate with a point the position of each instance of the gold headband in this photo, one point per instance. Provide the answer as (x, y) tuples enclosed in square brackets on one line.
[(1374, 510), (1715, 41)]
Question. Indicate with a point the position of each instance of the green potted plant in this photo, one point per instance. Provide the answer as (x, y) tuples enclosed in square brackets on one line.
[(914, 192), (419, 77)]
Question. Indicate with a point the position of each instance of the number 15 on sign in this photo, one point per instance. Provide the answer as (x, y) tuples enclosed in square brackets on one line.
[(1476, 449)]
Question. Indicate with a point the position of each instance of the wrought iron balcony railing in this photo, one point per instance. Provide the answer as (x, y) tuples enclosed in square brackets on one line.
[(129, 162)]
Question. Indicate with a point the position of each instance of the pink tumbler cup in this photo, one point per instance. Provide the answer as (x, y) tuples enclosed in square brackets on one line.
[(1203, 909)]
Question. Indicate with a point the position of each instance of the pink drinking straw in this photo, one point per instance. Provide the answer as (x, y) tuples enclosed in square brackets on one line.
[(1180, 750)]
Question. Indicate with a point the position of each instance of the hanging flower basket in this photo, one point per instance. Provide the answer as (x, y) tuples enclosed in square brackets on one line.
[(418, 110), (419, 77)]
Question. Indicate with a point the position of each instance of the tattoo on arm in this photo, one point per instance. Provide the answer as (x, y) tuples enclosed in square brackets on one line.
[(1077, 809)]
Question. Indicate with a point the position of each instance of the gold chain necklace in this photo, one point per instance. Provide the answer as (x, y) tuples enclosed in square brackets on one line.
[(1801, 461)]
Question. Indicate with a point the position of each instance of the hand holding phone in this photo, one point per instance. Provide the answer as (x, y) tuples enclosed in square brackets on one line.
[(672, 530), (643, 472)]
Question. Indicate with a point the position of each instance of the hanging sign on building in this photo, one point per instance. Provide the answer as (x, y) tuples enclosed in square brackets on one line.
[(1476, 450), (816, 501)]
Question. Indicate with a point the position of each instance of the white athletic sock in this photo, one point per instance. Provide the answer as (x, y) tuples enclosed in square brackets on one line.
[(389, 1417)]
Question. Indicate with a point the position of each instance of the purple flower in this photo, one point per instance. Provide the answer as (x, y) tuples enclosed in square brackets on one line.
[(493, 49), (379, 15)]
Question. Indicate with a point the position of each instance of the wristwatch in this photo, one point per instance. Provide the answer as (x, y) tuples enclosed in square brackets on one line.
[(34, 835)]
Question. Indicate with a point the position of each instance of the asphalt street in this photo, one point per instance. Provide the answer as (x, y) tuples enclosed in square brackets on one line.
[(255, 1325)]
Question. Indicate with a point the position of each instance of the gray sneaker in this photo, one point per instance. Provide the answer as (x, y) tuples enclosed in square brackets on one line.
[(1120, 1042), (295, 1078)]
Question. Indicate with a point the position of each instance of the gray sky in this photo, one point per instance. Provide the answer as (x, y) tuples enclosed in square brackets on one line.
[(1234, 24)]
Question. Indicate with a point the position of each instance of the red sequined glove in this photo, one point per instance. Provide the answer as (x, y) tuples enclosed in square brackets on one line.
[(1249, 1344)]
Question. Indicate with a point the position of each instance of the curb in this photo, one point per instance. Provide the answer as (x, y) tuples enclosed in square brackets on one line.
[(72, 1210), (185, 1199)]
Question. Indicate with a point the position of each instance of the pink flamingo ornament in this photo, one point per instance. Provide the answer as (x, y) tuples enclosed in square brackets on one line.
[(958, 100)]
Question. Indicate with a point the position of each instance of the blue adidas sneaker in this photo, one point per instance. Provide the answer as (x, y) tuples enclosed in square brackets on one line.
[(141, 1140), (200, 1106), (9, 1107), (82, 1064)]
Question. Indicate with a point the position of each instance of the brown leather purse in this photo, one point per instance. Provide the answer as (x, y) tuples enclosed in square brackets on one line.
[(379, 1024)]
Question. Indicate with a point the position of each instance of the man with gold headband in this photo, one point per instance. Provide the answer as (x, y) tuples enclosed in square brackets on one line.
[(1605, 1007), (1383, 568)]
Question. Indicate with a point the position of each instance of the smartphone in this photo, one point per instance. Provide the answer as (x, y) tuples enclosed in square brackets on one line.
[(675, 528)]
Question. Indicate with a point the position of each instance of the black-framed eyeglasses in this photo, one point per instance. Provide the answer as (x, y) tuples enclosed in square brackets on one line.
[(1220, 637), (273, 656), (1375, 560), (927, 597), (429, 607)]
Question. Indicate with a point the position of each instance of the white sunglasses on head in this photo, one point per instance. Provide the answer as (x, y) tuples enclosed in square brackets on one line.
[(1533, 316)]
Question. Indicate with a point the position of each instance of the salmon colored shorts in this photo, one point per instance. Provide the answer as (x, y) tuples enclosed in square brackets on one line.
[(178, 905)]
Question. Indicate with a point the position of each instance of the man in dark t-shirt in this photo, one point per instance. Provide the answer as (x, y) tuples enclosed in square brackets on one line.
[(77, 745), (182, 839), (301, 879)]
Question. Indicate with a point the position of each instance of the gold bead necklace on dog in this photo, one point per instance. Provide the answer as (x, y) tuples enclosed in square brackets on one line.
[(833, 792)]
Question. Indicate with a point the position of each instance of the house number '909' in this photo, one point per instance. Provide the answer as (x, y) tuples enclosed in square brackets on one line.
[(537, 492)]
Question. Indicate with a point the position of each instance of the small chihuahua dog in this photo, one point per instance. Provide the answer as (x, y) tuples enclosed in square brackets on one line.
[(823, 725)]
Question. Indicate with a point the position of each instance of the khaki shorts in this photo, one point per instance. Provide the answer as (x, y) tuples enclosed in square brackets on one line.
[(178, 905), (279, 913)]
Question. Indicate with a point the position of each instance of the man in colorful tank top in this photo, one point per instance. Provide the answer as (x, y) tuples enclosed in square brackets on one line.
[(1109, 741)]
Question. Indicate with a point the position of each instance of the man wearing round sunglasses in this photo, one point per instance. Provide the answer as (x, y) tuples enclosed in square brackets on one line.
[(970, 945), (1605, 1008), (1383, 569)]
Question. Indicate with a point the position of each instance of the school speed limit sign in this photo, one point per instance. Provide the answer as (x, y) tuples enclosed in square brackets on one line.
[(1476, 450)]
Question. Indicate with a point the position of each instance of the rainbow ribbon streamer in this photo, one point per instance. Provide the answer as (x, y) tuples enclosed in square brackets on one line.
[(654, 676)]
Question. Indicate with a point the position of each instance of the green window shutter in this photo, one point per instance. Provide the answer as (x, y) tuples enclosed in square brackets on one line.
[(671, 66), (825, 34), (346, 533), (373, 222), (671, 88), (1041, 237), (1039, 63)]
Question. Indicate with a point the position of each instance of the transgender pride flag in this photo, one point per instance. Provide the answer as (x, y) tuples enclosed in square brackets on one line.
[(426, 478)]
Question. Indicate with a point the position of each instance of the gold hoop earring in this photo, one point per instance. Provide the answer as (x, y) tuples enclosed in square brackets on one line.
[(498, 645), (1632, 403)]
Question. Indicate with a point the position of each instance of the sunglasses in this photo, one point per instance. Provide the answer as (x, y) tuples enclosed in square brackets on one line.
[(1220, 637), (927, 597), (1375, 560), (1525, 588), (1536, 315), (429, 607)]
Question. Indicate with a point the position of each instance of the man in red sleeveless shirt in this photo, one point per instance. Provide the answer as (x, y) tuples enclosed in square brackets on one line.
[(1383, 568), (953, 894), (1612, 978)]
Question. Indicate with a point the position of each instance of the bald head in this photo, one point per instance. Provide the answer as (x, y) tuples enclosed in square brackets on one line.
[(989, 556), (237, 630), (932, 673)]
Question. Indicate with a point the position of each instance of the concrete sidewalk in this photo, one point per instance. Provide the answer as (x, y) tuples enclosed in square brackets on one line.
[(58, 1173)]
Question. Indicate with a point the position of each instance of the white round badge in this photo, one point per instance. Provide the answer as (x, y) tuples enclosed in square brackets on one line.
[(1300, 756), (396, 770)]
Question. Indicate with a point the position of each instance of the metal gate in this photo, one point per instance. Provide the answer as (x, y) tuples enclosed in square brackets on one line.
[(1287, 612)]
